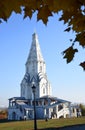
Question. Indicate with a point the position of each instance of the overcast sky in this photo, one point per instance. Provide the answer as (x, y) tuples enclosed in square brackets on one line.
[(67, 80)]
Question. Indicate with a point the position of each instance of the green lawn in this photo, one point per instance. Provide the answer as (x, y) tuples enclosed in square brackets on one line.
[(41, 124)]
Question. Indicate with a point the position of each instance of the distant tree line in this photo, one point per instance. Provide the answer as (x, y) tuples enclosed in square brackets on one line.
[(3, 114)]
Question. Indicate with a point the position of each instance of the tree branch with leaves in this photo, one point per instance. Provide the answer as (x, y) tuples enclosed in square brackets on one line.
[(73, 14)]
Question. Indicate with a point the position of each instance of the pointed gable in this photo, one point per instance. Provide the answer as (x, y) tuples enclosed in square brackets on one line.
[(35, 51)]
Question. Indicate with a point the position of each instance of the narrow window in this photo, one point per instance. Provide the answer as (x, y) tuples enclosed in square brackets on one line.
[(40, 68), (43, 90)]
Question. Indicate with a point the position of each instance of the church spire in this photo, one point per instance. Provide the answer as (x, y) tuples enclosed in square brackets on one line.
[(35, 52), (35, 72), (35, 57)]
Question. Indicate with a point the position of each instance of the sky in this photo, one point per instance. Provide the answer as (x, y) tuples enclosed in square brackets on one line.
[(67, 80)]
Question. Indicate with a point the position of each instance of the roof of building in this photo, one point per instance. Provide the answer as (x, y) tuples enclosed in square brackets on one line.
[(52, 98), (35, 51), (19, 98), (16, 98)]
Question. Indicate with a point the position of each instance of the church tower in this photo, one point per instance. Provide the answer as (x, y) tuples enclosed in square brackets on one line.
[(35, 72)]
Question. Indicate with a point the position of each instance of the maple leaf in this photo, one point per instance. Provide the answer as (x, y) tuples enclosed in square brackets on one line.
[(82, 65), (73, 15), (78, 22), (7, 7), (50, 4), (28, 12), (81, 38), (69, 53), (43, 14)]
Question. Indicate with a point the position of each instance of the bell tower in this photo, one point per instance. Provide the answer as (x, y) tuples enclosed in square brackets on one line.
[(35, 72)]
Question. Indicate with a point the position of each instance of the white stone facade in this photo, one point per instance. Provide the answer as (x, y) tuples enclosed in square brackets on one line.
[(35, 72), (47, 106)]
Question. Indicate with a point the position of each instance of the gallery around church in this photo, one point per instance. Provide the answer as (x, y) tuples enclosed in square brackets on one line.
[(21, 108)]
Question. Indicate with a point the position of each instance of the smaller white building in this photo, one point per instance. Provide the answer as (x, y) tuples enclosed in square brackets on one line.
[(47, 106)]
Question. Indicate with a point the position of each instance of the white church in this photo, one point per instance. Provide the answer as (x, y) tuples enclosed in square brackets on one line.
[(22, 107)]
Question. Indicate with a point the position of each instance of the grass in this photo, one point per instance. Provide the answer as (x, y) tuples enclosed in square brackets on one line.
[(41, 124)]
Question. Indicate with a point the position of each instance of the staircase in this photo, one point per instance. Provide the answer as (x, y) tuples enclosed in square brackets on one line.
[(63, 113), (60, 113)]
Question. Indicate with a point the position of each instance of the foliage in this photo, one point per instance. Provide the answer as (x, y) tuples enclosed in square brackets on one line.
[(82, 109), (69, 53), (3, 114), (73, 15)]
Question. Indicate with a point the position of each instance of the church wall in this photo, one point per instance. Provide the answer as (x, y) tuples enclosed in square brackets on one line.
[(35, 64), (37, 91), (36, 72), (28, 92), (49, 88), (40, 112), (41, 67), (30, 67), (42, 88), (14, 114), (22, 90)]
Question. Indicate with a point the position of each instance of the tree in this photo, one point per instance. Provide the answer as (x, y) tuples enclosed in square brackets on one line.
[(82, 107), (3, 113), (73, 15)]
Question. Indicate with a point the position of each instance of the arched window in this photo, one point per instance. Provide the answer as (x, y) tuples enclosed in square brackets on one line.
[(13, 116)]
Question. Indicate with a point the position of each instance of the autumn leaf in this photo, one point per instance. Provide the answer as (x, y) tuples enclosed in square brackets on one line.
[(69, 54), (78, 22), (50, 4), (43, 14), (83, 65), (7, 7), (72, 13), (28, 12), (81, 39)]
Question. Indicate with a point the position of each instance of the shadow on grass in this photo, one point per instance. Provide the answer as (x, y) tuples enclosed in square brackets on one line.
[(3, 120), (6, 120), (72, 127)]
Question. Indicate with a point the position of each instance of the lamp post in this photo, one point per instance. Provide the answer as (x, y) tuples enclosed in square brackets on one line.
[(35, 122)]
